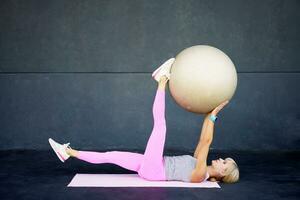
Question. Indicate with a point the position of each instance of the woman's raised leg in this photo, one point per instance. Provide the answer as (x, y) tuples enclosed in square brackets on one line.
[(148, 165), (152, 166)]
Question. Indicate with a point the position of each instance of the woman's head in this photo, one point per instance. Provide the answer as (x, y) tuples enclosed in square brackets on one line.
[(227, 170)]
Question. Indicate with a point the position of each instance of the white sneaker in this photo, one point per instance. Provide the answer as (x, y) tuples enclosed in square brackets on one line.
[(60, 150), (163, 70)]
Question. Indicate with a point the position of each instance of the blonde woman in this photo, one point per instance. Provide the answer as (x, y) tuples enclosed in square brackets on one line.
[(152, 165)]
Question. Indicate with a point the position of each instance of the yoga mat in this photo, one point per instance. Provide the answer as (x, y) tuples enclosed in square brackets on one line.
[(130, 180)]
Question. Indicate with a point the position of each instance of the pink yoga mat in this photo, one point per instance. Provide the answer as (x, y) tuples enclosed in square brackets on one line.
[(130, 180)]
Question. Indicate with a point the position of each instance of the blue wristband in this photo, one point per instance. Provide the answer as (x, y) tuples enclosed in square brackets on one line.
[(213, 118)]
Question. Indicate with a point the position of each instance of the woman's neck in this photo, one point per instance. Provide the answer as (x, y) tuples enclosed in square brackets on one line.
[(212, 172)]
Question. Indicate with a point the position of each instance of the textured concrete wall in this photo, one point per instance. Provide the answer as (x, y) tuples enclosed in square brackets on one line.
[(80, 71)]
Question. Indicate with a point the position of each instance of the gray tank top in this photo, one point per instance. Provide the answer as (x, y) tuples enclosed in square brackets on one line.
[(180, 167)]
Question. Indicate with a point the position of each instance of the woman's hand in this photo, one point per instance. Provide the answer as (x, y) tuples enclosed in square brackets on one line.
[(219, 108)]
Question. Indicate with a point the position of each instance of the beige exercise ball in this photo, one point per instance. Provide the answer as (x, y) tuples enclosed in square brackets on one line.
[(201, 78)]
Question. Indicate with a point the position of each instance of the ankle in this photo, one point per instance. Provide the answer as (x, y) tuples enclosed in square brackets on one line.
[(71, 152), (68, 151), (162, 87)]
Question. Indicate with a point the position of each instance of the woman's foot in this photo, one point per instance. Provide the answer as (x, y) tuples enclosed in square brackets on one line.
[(60, 150), (163, 70)]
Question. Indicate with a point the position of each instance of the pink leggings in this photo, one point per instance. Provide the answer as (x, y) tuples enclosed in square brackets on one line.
[(148, 165)]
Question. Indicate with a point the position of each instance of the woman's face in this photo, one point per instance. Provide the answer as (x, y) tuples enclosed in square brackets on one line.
[(221, 165)]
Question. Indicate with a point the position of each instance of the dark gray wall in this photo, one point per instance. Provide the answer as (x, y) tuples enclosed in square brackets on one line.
[(80, 71)]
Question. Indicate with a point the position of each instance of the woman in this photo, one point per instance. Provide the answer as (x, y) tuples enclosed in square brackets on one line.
[(152, 165)]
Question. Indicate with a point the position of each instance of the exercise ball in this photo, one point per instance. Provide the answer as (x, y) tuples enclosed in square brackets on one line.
[(202, 77)]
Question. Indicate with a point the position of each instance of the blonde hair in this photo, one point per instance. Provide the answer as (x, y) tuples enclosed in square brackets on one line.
[(232, 173)]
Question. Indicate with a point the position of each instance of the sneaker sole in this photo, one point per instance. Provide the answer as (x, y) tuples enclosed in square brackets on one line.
[(156, 71), (52, 144), (161, 67)]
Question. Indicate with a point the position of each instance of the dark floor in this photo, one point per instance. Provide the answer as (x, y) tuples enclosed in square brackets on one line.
[(40, 175)]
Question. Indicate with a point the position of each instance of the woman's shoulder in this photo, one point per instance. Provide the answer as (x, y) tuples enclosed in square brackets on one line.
[(199, 177)]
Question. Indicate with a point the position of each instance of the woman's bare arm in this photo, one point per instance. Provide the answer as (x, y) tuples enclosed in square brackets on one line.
[(204, 125), (202, 150), (207, 131)]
